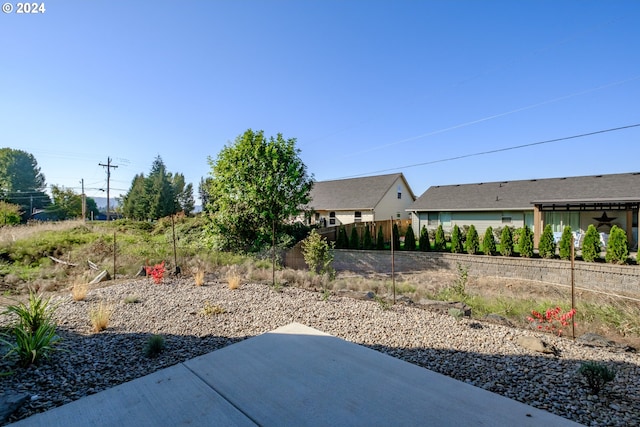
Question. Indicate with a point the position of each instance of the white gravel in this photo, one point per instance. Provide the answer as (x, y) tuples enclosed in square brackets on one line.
[(483, 354)]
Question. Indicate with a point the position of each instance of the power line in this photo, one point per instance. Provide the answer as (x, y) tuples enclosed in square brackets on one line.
[(515, 147)]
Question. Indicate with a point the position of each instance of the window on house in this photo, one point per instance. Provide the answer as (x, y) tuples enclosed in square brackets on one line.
[(506, 220), (357, 216), (397, 214), (432, 218), (399, 192), (332, 218)]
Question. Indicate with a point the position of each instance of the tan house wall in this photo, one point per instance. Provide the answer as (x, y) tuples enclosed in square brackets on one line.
[(390, 206)]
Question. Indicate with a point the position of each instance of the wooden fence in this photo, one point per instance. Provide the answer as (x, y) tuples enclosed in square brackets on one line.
[(331, 233)]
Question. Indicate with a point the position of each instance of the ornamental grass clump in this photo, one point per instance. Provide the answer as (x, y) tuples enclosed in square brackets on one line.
[(100, 315), (79, 292), (596, 375), (155, 345)]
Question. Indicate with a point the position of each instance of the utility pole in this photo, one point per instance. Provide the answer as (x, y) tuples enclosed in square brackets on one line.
[(108, 166), (84, 202)]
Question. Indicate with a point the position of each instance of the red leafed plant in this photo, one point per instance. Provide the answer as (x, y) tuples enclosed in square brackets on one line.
[(156, 272), (553, 320)]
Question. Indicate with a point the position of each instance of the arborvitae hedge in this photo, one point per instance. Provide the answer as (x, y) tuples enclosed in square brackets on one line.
[(343, 240), (354, 240), (396, 237), (489, 242), (380, 239), (564, 247), (367, 243), (617, 246), (591, 244), (440, 243), (472, 245), (526, 242), (456, 240), (506, 242), (409, 240), (424, 243), (547, 246)]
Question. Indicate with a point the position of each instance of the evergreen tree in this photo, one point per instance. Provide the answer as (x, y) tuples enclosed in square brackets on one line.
[(396, 237), (488, 242), (547, 245), (425, 244), (354, 239), (591, 244), (409, 240), (456, 240), (440, 242), (565, 243), (343, 240), (380, 239), (472, 245), (506, 242), (526, 242), (617, 247), (366, 240)]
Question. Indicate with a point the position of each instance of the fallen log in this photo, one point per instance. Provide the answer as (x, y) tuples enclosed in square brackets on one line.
[(59, 261)]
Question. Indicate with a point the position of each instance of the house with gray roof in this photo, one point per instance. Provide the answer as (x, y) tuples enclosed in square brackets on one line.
[(366, 199), (602, 200)]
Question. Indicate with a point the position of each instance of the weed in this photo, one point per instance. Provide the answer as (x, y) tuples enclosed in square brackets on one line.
[(100, 316), (79, 292), (596, 375), (131, 299), (211, 310), (326, 293), (384, 304), (154, 346)]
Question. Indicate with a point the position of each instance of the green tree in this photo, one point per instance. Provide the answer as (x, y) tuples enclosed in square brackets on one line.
[(9, 214), (396, 237), (506, 242), (380, 239), (318, 253), (564, 248), (591, 244), (21, 182), (410, 239), (526, 242), (489, 242), (456, 240), (91, 208), (547, 245), (135, 202), (184, 200), (354, 239), (66, 203), (203, 192), (472, 245), (367, 242), (160, 192), (617, 246), (440, 242), (257, 184), (342, 242), (424, 243)]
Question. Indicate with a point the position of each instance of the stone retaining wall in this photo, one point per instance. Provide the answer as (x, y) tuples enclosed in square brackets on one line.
[(596, 276)]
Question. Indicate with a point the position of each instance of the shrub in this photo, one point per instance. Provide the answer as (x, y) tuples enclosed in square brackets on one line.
[(591, 244), (100, 316), (564, 248), (472, 245), (380, 239), (410, 239), (318, 253), (343, 241), (211, 310), (424, 243), (367, 242), (154, 346), (396, 237), (596, 375), (617, 248), (488, 242), (526, 242), (456, 240), (440, 242), (506, 242), (547, 246), (156, 272), (354, 240)]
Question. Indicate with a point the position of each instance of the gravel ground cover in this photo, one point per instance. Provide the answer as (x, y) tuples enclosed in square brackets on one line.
[(195, 320)]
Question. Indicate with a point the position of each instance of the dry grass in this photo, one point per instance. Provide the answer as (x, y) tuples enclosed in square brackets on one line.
[(100, 315), (198, 276), (234, 279), (19, 232), (79, 291)]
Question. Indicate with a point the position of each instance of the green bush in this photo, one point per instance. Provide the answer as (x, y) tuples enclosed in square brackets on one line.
[(154, 346), (380, 239), (591, 244), (617, 247), (456, 240), (596, 375), (424, 243), (488, 242), (440, 242), (396, 237), (564, 248), (526, 242), (410, 240), (547, 246), (354, 240), (506, 242), (343, 241), (472, 245), (318, 253), (367, 243)]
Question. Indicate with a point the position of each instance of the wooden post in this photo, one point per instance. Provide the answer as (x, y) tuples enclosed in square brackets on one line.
[(393, 262), (573, 302)]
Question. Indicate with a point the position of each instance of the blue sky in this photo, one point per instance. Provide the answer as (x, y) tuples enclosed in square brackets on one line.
[(365, 87)]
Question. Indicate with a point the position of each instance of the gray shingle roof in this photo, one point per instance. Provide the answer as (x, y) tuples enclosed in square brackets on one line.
[(353, 193), (520, 195)]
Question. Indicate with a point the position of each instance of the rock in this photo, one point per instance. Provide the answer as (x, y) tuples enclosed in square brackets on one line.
[(9, 403), (498, 319), (369, 295), (142, 272), (103, 276), (536, 344), (591, 338), (444, 307)]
